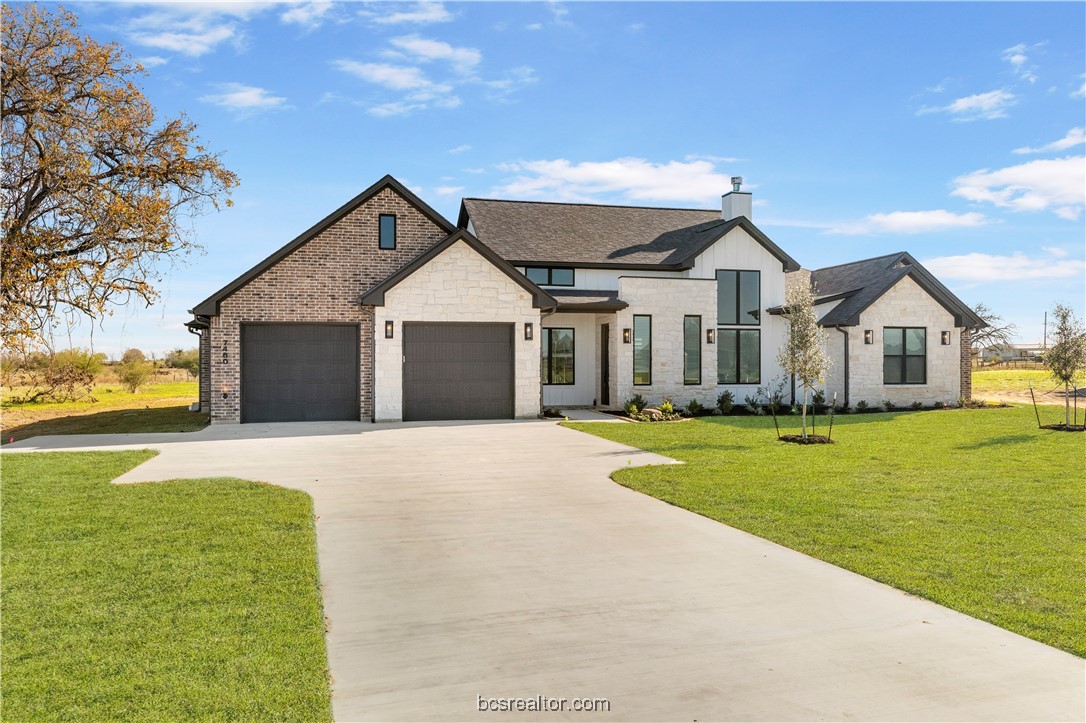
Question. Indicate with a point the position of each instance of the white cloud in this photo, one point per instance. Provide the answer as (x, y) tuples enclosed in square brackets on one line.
[(194, 43), (1017, 57), (424, 50), (152, 61), (709, 157), (460, 149), (245, 99), (631, 179), (1074, 137), (635, 27), (423, 12), (911, 222), (982, 106), (981, 267), (559, 13), (1057, 184), (448, 190), (1081, 92), (534, 26), (309, 15), (1056, 251), (192, 28), (396, 77)]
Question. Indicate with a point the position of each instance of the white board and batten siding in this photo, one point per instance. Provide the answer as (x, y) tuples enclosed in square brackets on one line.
[(583, 390), (606, 279)]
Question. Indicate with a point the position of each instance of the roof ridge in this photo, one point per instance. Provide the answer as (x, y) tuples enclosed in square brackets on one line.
[(593, 205), (859, 261)]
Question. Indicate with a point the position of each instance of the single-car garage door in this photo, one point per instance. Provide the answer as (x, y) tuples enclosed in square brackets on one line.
[(457, 371), (299, 372)]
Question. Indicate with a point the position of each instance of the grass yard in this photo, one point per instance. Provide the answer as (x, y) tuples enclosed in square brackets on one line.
[(186, 600), (977, 510), (999, 380), (160, 407)]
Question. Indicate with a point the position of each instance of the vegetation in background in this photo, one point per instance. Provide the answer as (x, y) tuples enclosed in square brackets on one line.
[(1066, 358), (61, 377), (187, 359), (185, 600), (977, 510), (997, 333)]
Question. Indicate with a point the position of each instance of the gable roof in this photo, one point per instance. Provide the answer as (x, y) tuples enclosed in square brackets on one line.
[(860, 283), (591, 235), (210, 305), (376, 295)]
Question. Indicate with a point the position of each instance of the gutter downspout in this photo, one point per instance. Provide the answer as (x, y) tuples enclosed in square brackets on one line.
[(199, 370), (843, 331), (543, 315)]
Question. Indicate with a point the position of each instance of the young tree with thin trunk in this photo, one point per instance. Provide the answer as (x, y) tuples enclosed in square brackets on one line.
[(1066, 358), (804, 353), (93, 185)]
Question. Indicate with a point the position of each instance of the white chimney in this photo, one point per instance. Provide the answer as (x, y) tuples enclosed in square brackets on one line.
[(737, 203)]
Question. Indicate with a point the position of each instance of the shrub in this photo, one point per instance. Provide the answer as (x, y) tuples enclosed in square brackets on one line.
[(939, 405), (667, 407), (725, 402), (862, 405), (187, 359), (695, 408), (82, 359), (131, 355), (917, 406), (752, 405), (818, 399), (634, 405), (134, 374), (62, 377), (888, 406)]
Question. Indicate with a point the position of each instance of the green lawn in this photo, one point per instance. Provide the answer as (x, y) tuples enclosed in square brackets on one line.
[(999, 380), (159, 407), (977, 510), (185, 600)]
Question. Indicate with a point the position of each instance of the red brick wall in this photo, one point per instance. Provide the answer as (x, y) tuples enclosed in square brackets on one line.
[(319, 282), (967, 364)]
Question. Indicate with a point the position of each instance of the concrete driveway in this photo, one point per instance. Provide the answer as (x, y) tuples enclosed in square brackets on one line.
[(497, 561)]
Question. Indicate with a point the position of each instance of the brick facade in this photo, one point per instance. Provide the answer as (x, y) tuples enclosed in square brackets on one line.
[(319, 281), (967, 364), (205, 370)]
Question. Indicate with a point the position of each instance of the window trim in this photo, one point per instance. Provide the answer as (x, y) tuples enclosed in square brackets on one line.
[(395, 224), (903, 356), (548, 360), (738, 296), (697, 345), (633, 339), (550, 275), (738, 354)]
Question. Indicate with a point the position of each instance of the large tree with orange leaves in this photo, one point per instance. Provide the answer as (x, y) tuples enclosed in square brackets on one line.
[(94, 185)]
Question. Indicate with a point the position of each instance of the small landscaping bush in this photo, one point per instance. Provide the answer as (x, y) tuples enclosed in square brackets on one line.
[(861, 406), (695, 408), (725, 402)]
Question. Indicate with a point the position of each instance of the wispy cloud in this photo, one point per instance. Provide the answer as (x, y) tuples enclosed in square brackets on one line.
[(425, 50), (419, 92), (152, 61), (911, 222), (627, 179), (1057, 185), (460, 149), (1018, 58), (192, 29), (309, 15), (1074, 137), (980, 267), (448, 190), (420, 13), (982, 106), (244, 99), (1081, 92)]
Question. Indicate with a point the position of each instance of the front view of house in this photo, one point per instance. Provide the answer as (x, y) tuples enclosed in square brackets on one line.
[(386, 311)]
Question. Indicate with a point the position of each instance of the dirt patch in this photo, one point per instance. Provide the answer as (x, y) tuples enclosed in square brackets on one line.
[(1065, 427), (809, 439)]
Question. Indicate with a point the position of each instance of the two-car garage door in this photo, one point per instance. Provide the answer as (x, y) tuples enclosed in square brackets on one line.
[(310, 372)]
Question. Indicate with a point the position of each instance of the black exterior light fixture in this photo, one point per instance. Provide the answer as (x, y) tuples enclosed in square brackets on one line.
[(626, 335), (869, 336), (710, 336), (390, 326), (529, 331), (946, 338)]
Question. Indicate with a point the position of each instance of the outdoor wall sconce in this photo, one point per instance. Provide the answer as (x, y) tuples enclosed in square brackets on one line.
[(946, 338), (869, 336), (529, 331), (626, 336), (389, 328), (710, 336)]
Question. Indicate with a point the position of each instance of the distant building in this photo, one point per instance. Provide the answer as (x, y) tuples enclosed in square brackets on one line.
[(1011, 352)]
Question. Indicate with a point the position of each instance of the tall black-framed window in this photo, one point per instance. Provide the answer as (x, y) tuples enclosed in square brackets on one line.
[(642, 350), (691, 350), (904, 355), (558, 346), (549, 276), (386, 228), (739, 356), (738, 297)]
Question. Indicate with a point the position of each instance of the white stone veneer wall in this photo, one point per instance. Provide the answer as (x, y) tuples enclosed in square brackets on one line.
[(457, 285), (906, 304)]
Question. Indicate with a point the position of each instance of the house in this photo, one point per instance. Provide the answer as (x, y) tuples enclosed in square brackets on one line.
[(385, 310), (1012, 352)]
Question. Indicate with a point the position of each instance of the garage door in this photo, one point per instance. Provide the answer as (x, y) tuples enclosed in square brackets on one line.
[(457, 371), (299, 372)]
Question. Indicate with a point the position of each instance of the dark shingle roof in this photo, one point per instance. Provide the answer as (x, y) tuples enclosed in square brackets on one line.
[(861, 283), (534, 232)]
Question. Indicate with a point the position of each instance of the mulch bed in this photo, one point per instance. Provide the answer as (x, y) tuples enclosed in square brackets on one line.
[(1065, 427), (810, 439)]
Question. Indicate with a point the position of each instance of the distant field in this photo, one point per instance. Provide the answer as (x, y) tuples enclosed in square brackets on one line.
[(997, 380)]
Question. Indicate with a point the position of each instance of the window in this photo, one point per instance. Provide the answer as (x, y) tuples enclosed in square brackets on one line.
[(738, 297), (557, 356), (387, 231), (691, 350), (904, 355), (547, 276), (642, 350), (738, 356)]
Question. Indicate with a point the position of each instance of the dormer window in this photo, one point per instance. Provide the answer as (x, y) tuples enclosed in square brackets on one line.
[(547, 276), (386, 238)]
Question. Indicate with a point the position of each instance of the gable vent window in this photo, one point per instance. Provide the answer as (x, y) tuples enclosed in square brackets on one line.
[(386, 231), (547, 276)]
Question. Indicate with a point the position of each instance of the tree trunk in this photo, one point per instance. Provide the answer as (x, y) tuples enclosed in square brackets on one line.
[(803, 414), (1067, 403)]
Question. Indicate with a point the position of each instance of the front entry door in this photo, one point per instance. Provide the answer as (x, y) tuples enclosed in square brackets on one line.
[(605, 365)]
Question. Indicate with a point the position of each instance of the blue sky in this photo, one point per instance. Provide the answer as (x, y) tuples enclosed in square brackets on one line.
[(952, 131)]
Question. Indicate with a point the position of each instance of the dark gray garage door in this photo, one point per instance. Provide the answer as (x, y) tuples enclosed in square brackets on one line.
[(299, 372), (457, 371)]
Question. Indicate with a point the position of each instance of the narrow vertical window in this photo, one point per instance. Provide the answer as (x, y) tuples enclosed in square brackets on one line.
[(387, 231), (642, 350), (738, 297), (691, 350), (558, 357)]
